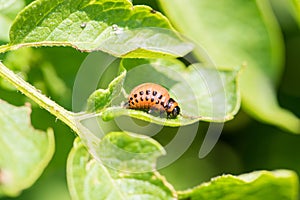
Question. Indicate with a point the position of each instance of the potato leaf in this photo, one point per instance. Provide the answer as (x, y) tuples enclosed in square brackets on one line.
[(234, 32), (280, 184), (102, 98), (90, 179), (24, 151), (297, 9), (114, 26), (203, 93), (8, 11)]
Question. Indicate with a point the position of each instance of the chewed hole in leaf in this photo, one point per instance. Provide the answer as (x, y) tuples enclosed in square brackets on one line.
[(202, 93)]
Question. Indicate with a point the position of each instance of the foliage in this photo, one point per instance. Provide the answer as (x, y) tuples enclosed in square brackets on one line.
[(237, 47), (24, 152), (257, 183), (261, 50), (112, 183)]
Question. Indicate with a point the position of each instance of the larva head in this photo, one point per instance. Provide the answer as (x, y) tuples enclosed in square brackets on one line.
[(172, 108)]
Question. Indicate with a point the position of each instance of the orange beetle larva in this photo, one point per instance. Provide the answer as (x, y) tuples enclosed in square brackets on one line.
[(153, 98)]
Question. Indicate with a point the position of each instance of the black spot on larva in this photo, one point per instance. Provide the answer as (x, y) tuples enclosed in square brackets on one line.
[(131, 98), (147, 92), (136, 100), (157, 101), (141, 92), (141, 99), (132, 103), (135, 95), (147, 98), (154, 93), (152, 99), (160, 96), (162, 103)]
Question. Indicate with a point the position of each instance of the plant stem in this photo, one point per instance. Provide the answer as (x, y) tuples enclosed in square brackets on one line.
[(4, 48), (31, 92)]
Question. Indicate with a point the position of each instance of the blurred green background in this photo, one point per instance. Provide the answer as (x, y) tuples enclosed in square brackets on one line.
[(245, 144)]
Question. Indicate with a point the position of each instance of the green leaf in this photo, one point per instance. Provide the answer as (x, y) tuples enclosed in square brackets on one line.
[(114, 26), (234, 32), (297, 9), (280, 184), (4, 28), (190, 86), (8, 11), (24, 151), (101, 98), (19, 61), (129, 152), (90, 179), (10, 8)]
